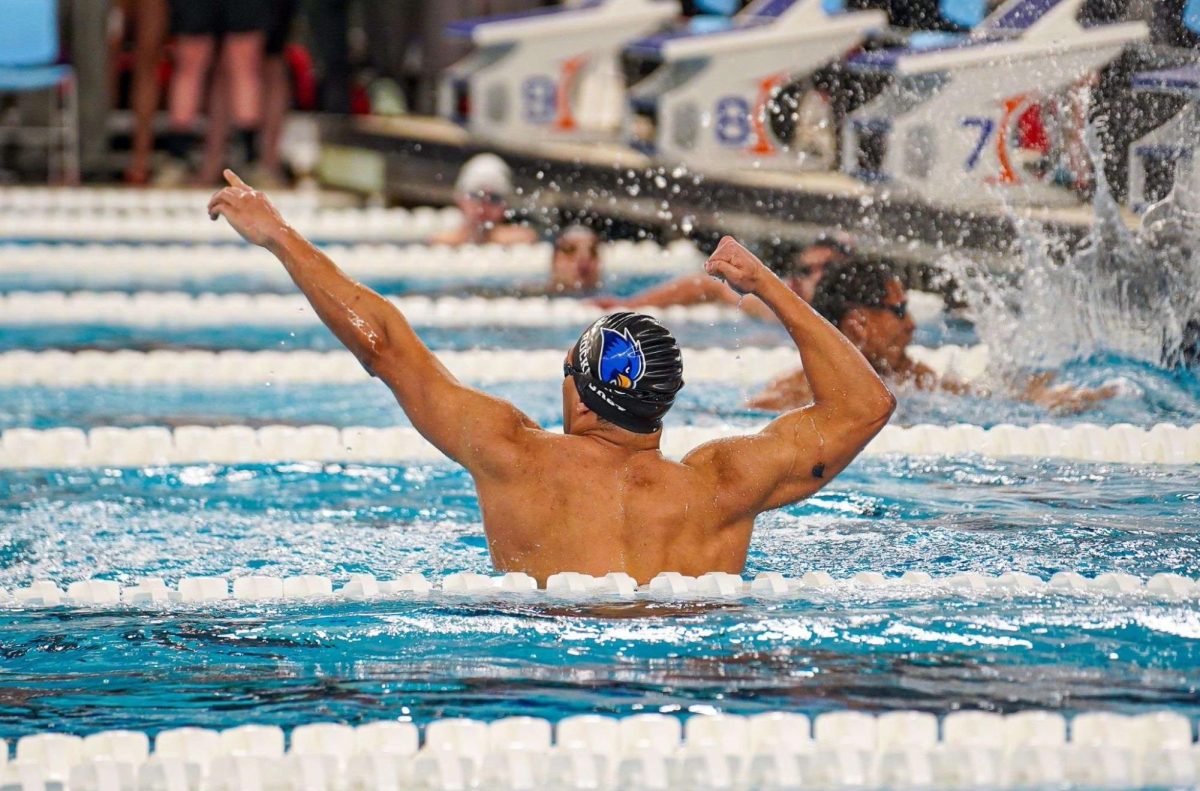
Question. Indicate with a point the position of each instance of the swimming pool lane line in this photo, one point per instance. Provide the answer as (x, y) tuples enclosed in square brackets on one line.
[(647, 751), (60, 448), (573, 586), (121, 200), (214, 369), (192, 224), (176, 309), (120, 264), (149, 309)]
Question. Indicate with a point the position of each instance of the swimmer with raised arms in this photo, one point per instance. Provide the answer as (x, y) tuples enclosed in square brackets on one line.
[(601, 497)]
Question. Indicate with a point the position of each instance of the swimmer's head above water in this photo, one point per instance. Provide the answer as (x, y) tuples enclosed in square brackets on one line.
[(483, 189), (626, 370), (575, 266), (869, 304), (801, 267)]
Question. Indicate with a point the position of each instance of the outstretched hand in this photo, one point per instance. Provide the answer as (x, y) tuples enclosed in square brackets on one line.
[(248, 211), (737, 266), (1063, 399)]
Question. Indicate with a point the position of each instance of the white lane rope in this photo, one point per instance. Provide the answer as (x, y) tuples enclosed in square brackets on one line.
[(156, 446), (772, 750), (98, 266), (193, 225), (175, 309), (121, 200), (667, 585), (231, 368), (291, 310)]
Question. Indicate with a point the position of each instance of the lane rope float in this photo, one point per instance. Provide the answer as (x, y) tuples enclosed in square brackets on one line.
[(193, 225), (58, 448), (175, 309), (667, 586), (213, 369), (650, 751), (119, 265)]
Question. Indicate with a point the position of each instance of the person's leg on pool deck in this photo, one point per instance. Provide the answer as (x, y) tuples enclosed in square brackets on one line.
[(196, 24), (273, 88), (277, 99), (216, 136), (242, 60), (193, 55), (277, 92), (151, 21), (243, 24)]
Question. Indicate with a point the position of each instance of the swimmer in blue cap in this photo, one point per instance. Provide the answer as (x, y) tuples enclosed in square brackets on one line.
[(601, 497)]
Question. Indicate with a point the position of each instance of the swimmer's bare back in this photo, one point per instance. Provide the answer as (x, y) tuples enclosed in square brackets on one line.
[(601, 498)]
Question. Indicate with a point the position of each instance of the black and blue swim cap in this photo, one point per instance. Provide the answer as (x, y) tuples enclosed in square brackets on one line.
[(627, 369)]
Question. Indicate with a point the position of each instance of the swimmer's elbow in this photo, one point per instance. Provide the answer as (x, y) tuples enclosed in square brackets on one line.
[(370, 353), (888, 404), (377, 346), (877, 410)]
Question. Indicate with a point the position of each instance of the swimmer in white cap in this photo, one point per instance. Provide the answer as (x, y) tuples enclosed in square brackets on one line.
[(482, 193), (600, 496)]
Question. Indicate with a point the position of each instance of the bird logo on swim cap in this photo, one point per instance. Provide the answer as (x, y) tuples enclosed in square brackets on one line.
[(621, 360), (627, 370)]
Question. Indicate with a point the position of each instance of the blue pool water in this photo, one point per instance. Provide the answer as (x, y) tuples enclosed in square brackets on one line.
[(889, 515), (220, 665), (249, 337), (361, 663), (85, 671), (1146, 396)]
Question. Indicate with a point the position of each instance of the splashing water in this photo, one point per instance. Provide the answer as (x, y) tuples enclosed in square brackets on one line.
[(1133, 293)]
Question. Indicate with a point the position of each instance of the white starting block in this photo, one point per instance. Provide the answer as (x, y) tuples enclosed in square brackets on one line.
[(974, 120), (549, 74), (714, 102)]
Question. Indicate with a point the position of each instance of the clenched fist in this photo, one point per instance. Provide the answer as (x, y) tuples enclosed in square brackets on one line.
[(248, 211), (738, 267)]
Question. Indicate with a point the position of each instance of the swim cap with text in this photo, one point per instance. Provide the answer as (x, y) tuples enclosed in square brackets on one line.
[(628, 370)]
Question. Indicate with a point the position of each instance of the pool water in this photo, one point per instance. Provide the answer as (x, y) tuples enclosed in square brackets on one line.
[(73, 337), (221, 665), (289, 664), (1145, 396)]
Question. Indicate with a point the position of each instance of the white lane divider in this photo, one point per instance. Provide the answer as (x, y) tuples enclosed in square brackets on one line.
[(120, 200), (667, 586), (156, 446), (215, 369), (648, 751), (291, 310), (176, 309), (193, 225), (120, 265)]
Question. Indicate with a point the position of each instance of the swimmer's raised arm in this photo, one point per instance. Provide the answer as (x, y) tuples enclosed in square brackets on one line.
[(801, 450), (471, 427)]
